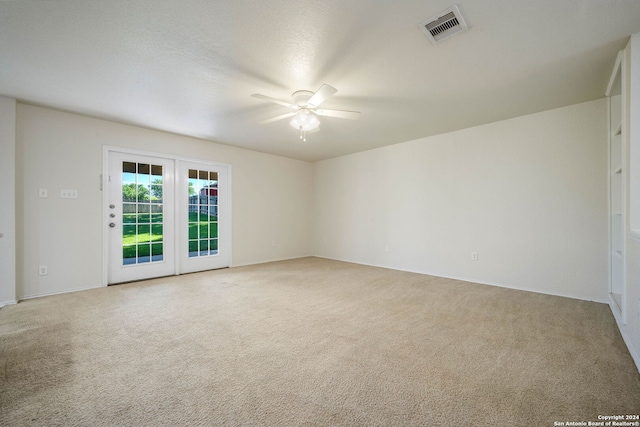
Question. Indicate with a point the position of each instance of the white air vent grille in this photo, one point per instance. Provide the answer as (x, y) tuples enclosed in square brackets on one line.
[(444, 25)]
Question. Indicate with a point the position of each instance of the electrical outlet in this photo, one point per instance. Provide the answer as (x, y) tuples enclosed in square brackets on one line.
[(474, 256), (43, 270)]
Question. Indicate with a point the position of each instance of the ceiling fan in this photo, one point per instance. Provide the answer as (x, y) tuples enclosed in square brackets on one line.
[(306, 103)]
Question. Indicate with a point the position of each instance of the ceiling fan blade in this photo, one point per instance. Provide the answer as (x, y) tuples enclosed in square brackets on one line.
[(341, 114), (321, 95), (275, 119), (275, 101)]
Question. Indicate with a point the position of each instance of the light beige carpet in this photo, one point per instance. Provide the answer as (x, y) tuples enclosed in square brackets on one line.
[(311, 342)]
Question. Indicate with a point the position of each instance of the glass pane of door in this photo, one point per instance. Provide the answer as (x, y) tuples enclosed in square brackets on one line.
[(142, 213), (202, 213)]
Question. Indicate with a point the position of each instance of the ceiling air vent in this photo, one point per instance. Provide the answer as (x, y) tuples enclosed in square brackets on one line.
[(444, 25)]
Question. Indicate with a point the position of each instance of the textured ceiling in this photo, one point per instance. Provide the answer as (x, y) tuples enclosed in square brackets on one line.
[(190, 66)]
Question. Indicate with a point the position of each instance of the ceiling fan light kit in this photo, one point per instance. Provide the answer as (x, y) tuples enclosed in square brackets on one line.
[(304, 121), (305, 102)]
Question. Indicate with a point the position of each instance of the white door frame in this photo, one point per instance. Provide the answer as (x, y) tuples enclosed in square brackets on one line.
[(106, 149)]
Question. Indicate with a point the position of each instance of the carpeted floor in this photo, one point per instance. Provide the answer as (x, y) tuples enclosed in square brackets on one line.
[(311, 342)]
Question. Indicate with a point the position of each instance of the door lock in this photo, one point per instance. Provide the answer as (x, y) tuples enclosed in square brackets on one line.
[(112, 224)]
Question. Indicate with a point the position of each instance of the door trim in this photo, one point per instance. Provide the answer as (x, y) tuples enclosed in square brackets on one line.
[(106, 149)]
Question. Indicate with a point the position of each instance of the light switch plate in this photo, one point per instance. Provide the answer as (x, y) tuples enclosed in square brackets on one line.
[(68, 194)]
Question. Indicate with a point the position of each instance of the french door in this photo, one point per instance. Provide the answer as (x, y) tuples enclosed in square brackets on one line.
[(203, 213), (164, 216)]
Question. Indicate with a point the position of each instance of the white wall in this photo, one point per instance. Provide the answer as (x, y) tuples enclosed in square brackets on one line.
[(528, 194), (8, 200), (271, 195)]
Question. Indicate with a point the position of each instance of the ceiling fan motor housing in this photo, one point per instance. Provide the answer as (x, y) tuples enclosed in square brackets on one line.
[(301, 97)]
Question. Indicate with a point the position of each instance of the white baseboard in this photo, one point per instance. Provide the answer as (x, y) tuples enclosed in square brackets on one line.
[(465, 279), (46, 294), (270, 260), (10, 302)]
